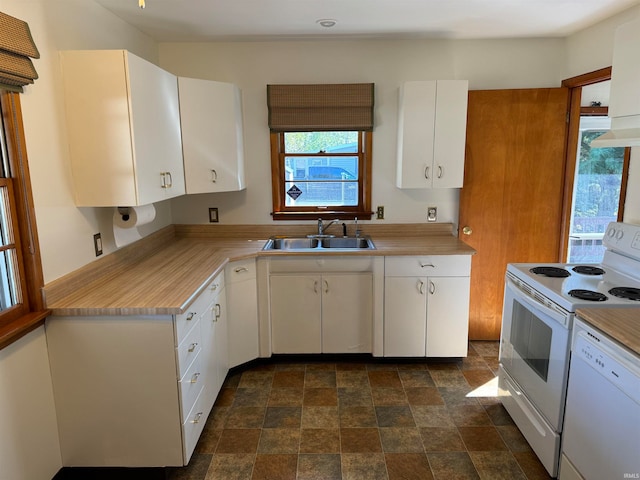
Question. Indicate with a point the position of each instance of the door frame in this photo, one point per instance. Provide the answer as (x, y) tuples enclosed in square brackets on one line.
[(575, 84)]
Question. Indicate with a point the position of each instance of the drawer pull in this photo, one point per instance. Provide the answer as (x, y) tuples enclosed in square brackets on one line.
[(423, 265), (192, 347), (197, 417), (190, 316), (241, 269), (194, 379)]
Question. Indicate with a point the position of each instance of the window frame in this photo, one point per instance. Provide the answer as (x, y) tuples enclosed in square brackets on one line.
[(30, 313), (283, 212)]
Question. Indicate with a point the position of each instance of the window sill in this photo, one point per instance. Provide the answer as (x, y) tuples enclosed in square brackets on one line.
[(16, 329)]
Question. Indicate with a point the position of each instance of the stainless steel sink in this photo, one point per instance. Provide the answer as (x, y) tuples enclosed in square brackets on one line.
[(347, 242), (318, 244)]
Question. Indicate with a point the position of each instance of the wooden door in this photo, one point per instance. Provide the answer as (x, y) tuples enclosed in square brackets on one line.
[(511, 202)]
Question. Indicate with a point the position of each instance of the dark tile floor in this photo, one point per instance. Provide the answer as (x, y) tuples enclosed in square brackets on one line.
[(369, 420)]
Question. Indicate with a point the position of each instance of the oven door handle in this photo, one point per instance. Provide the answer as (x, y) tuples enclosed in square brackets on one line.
[(523, 297)]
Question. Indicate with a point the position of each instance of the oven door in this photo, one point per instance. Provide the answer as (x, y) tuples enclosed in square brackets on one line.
[(534, 351)]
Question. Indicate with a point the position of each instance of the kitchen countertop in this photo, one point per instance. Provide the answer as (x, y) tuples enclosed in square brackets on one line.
[(621, 324), (163, 273)]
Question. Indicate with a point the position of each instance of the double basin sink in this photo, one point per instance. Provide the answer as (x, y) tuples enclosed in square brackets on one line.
[(313, 243)]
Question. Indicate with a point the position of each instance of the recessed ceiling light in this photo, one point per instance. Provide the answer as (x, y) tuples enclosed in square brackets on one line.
[(326, 22)]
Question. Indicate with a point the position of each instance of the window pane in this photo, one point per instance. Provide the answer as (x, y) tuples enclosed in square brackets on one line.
[(315, 142), (8, 259), (321, 181), (596, 192)]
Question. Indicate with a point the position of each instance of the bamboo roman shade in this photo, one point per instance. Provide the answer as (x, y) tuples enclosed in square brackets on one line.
[(325, 107), (16, 46)]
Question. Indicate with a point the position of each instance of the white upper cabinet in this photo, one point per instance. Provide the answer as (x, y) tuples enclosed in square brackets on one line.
[(212, 140), (432, 126), (124, 129)]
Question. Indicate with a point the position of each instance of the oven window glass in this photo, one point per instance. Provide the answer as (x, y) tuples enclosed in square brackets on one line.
[(531, 338)]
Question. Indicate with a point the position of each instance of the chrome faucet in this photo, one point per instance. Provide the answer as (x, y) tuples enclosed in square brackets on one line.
[(322, 228)]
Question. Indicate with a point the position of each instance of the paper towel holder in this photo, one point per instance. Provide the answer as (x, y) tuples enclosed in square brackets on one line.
[(124, 213)]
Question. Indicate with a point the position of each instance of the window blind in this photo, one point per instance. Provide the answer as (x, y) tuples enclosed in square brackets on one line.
[(16, 46), (323, 107)]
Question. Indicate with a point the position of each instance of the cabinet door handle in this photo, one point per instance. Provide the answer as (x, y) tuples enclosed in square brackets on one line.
[(241, 269), (214, 176), (432, 287), (326, 286), (426, 173), (194, 379), (192, 347), (217, 312), (421, 287), (440, 171), (170, 180), (196, 418), (315, 286), (163, 179)]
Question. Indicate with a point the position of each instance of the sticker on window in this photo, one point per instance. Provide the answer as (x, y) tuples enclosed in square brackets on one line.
[(294, 192)]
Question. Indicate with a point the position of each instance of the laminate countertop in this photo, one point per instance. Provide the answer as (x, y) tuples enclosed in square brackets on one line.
[(621, 324), (164, 273)]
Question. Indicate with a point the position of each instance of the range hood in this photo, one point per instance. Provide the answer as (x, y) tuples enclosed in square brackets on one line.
[(624, 101), (625, 132)]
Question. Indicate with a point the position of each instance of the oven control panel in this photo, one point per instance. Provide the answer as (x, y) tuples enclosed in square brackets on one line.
[(623, 238)]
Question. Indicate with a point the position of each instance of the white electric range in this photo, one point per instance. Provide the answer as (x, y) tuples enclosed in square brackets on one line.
[(539, 307)]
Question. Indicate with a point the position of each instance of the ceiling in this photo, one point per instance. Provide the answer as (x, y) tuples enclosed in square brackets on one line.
[(246, 20)]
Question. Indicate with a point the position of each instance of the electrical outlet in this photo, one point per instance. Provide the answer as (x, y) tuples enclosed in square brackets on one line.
[(432, 214), (97, 244), (380, 213)]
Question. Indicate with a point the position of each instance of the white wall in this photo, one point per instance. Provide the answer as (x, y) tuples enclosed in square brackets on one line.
[(253, 65), (65, 231)]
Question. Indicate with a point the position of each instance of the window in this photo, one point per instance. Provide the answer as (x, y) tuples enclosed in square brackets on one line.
[(596, 192), (321, 140), (21, 306), (318, 174)]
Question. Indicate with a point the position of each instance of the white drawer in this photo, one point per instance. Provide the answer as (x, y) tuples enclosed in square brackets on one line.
[(190, 386), (193, 425), (189, 348), (197, 308), (428, 266), (240, 270)]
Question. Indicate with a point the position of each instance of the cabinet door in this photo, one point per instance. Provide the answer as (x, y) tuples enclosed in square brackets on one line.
[(155, 130), (212, 138), (416, 125), (405, 316), (347, 313), (450, 133), (242, 300), (447, 316), (213, 325), (295, 314)]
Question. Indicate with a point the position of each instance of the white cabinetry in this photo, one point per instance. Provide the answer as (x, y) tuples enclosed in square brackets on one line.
[(426, 308), (123, 128), (321, 306), (432, 123), (135, 391), (242, 311), (212, 138)]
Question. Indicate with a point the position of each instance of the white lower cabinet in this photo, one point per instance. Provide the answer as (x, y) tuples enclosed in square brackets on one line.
[(242, 302), (321, 313), (135, 391), (426, 306)]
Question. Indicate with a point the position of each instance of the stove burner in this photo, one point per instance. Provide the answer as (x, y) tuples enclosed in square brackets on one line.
[(588, 270), (629, 293), (550, 271), (588, 295)]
